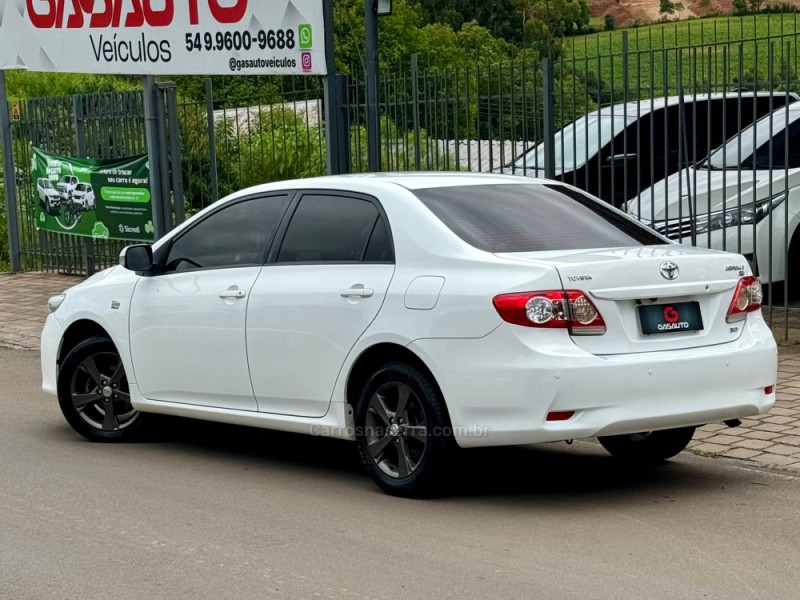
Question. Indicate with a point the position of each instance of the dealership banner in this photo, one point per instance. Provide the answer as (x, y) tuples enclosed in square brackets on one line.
[(105, 199), (163, 37)]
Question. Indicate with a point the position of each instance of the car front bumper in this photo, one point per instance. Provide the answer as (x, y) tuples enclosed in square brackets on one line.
[(50, 344), (499, 389)]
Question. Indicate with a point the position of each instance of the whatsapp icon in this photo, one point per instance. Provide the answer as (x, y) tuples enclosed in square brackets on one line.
[(304, 33)]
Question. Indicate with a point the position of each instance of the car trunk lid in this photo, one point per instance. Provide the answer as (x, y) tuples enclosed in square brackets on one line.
[(652, 298)]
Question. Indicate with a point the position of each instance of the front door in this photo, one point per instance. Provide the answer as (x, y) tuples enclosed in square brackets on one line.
[(187, 322)]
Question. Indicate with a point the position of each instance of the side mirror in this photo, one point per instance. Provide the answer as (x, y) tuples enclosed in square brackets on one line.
[(621, 158), (137, 258)]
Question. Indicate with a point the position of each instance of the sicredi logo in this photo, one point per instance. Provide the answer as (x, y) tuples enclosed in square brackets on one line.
[(136, 13)]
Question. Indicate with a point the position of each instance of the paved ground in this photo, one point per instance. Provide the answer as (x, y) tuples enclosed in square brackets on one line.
[(769, 440), (204, 511)]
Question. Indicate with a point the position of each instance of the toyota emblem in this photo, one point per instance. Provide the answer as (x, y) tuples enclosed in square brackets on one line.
[(669, 270)]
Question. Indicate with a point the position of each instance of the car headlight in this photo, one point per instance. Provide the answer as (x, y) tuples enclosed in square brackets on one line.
[(54, 302), (747, 214)]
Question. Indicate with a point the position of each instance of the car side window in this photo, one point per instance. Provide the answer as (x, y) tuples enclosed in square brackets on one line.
[(777, 158), (234, 236), (379, 248), (329, 229)]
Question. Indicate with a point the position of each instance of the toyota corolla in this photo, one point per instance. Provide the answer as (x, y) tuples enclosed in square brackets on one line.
[(416, 314)]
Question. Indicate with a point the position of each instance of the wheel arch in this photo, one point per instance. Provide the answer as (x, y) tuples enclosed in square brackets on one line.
[(371, 359), (77, 332)]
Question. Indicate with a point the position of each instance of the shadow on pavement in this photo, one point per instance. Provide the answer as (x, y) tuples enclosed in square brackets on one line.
[(547, 471)]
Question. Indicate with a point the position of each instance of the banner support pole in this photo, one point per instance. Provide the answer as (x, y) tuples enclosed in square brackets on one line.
[(152, 132), (9, 178)]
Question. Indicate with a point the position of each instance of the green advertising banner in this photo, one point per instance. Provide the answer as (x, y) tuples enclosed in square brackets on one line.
[(106, 199)]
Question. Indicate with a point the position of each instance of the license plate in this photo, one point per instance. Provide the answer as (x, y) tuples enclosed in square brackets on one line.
[(670, 318)]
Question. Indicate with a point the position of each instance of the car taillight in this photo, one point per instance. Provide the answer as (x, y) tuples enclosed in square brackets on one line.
[(746, 298), (566, 309)]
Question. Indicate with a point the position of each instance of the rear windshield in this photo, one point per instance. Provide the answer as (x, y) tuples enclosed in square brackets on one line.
[(532, 217)]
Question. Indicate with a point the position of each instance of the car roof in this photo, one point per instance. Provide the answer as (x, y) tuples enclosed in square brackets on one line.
[(642, 107), (373, 182)]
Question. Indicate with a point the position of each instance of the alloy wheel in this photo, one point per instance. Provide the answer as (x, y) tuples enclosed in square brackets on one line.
[(396, 430), (100, 393)]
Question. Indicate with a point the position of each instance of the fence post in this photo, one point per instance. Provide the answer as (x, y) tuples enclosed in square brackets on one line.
[(415, 108), (80, 147), (373, 118), (212, 141), (175, 153), (625, 69), (163, 154), (9, 178), (152, 130), (549, 119), (36, 140), (337, 130)]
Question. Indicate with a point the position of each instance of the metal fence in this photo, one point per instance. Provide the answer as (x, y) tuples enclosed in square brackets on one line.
[(634, 128), (630, 121), (98, 126), (236, 139)]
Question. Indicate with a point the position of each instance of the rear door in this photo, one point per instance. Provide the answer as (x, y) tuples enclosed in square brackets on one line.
[(322, 287)]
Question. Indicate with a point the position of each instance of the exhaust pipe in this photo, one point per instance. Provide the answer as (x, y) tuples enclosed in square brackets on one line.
[(732, 422)]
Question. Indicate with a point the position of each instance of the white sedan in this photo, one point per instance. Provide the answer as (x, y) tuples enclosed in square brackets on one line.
[(415, 314)]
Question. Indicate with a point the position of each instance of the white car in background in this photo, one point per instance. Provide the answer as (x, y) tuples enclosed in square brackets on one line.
[(83, 196), (49, 197), (413, 314), (66, 186), (743, 198)]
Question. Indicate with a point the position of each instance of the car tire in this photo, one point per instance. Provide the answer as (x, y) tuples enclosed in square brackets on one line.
[(650, 447), (404, 448), (93, 393), (792, 259)]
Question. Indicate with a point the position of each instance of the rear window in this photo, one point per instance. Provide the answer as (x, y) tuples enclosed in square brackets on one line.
[(532, 217)]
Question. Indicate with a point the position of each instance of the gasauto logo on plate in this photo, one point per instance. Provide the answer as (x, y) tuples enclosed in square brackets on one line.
[(669, 270)]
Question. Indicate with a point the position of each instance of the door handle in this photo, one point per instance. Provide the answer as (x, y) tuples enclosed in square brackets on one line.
[(232, 293), (357, 292)]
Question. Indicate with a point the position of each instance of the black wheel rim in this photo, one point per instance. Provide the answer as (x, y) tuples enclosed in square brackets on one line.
[(100, 393), (396, 430)]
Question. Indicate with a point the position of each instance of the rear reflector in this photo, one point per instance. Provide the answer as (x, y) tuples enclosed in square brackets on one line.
[(769, 389), (747, 298), (565, 309), (560, 415)]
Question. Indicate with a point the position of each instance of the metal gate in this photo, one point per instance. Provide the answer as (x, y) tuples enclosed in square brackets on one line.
[(97, 126)]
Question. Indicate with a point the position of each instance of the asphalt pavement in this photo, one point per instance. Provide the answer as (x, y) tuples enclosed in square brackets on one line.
[(204, 511)]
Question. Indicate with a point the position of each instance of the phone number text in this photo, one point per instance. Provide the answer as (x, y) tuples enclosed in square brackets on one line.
[(271, 39)]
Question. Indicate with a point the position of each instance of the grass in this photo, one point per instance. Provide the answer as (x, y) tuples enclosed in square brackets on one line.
[(696, 53)]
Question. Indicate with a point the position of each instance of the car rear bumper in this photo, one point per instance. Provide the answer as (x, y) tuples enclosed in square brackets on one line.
[(499, 389)]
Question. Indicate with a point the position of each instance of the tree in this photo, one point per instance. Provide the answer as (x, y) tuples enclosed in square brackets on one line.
[(546, 21), (666, 7), (501, 18), (405, 32), (740, 7), (755, 5), (609, 23), (678, 6)]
